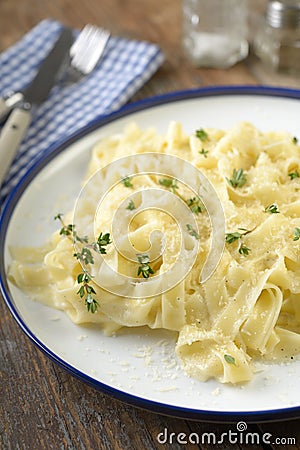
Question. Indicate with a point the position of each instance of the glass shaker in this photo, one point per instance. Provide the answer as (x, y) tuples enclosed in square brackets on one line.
[(215, 32), (277, 42)]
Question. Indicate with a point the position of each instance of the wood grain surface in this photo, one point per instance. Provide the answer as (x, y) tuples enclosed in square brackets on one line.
[(41, 405)]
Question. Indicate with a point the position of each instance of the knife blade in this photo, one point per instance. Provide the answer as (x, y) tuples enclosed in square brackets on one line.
[(33, 95)]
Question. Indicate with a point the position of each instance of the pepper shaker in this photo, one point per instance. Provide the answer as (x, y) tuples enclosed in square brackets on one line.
[(277, 43)]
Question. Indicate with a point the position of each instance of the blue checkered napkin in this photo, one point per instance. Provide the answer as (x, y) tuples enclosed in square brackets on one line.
[(125, 66)]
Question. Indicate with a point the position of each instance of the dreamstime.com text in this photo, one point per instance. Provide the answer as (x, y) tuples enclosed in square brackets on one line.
[(238, 436)]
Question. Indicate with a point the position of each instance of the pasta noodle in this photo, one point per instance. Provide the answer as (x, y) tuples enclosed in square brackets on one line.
[(249, 308)]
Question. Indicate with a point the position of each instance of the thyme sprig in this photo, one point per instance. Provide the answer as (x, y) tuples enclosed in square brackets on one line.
[(203, 152), (238, 179), (127, 182), (170, 183), (235, 236), (195, 204), (85, 257), (87, 291), (69, 230), (144, 268)]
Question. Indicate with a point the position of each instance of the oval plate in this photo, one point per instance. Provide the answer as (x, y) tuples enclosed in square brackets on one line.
[(138, 365)]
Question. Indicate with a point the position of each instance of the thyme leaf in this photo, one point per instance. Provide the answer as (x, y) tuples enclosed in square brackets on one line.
[(232, 237), (272, 209), (294, 175), (244, 250), (192, 231), (170, 183), (85, 256), (102, 242), (230, 359), (296, 234), (201, 134), (131, 205), (144, 268)]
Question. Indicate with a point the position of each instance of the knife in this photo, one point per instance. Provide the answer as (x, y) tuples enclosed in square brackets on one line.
[(24, 101)]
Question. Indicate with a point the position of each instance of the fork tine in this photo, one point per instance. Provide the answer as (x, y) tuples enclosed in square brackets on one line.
[(99, 44), (88, 48)]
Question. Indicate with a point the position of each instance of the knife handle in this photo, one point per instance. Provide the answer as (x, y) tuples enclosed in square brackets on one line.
[(8, 102), (4, 109), (11, 136)]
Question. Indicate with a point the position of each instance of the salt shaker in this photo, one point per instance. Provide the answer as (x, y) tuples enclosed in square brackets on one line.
[(277, 42), (214, 32)]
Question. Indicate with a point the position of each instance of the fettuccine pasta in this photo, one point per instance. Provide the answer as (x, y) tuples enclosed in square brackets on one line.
[(249, 308)]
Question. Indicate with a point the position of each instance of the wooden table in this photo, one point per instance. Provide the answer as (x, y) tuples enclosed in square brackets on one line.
[(42, 406)]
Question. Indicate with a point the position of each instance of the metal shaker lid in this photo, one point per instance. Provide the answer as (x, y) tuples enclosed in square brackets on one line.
[(283, 14)]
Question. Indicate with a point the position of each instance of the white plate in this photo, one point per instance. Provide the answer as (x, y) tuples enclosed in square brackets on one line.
[(139, 366)]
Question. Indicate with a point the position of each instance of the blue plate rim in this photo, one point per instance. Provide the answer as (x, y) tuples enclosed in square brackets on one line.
[(15, 195)]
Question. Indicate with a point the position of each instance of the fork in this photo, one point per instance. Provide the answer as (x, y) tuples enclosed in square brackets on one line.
[(82, 58), (86, 52)]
